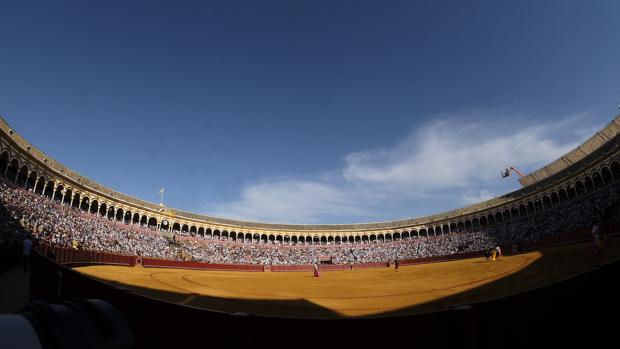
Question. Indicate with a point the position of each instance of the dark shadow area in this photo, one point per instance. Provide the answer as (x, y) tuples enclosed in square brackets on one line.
[(11, 234), (13, 275)]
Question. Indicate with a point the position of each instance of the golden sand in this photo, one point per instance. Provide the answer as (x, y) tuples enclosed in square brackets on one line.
[(370, 292)]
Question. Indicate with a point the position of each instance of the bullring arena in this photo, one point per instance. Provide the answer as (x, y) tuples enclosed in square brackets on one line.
[(353, 293), (175, 272)]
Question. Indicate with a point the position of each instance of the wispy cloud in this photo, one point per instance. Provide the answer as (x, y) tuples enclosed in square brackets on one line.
[(455, 159), (291, 201), (472, 198)]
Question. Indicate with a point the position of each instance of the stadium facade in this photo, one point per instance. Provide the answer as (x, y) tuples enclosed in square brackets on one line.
[(593, 163)]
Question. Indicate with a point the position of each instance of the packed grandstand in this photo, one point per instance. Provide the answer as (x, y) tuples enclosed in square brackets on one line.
[(53, 223), (584, 194)]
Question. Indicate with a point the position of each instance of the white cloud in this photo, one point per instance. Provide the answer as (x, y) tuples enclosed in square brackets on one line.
[(459, 155), (472, 198), (450, 153), (290, 201)]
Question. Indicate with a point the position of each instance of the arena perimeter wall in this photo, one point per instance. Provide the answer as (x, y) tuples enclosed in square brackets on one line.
[(72, 257)]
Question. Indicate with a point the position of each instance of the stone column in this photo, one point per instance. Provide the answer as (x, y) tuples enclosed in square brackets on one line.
[(27, 178)]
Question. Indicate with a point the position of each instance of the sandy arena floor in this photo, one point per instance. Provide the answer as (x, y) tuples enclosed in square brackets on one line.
[(372, 292)]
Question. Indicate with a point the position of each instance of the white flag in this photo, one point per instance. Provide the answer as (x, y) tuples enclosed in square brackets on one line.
[(161, 191)]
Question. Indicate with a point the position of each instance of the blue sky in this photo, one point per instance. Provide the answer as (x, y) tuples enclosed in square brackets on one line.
[(308, 112)]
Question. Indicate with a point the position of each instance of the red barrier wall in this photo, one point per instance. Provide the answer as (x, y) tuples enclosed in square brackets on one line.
[(327, 267), (278, 268), (68, 256), (166, 263), (435, 259), (560, 239), (371, 265)]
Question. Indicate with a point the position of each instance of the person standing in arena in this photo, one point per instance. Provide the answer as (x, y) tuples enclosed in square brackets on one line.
[(498, 252), (396, 264), (316, 270)]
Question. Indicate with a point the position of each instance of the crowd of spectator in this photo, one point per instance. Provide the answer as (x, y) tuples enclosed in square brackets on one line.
[(576, 214), (337, 254), (50, 222), (58, 225)]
